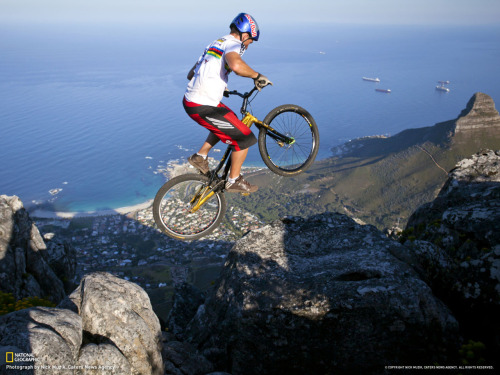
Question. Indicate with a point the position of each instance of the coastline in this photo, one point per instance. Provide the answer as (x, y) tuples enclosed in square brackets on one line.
[(172, 169), (44, 214)]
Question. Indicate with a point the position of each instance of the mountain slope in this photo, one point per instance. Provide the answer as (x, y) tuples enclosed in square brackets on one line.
[(380, 180)]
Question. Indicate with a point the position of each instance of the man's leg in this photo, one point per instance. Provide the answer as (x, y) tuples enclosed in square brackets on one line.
[(237, 159), (210, 142), (235, 182), (199, 160)]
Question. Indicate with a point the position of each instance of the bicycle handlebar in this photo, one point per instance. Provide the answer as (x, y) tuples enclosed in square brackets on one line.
[(244, 96)]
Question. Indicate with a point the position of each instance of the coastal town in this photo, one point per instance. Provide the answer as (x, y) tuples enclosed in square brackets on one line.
[(127, 243), (124, 244)]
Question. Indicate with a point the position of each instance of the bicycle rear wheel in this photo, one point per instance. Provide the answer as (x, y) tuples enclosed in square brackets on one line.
[(294, 157), (173, 208)]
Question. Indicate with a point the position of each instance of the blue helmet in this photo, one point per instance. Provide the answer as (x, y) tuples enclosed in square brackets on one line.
[(245, 23)]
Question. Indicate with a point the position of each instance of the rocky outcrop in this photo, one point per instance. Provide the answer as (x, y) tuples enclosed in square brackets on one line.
[(106, 325), (25, 260), (117, 312), (322, 295), (480, 113), (465, 215), (457, 240)]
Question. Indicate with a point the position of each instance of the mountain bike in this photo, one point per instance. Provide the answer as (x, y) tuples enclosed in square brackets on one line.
[(191, 206)]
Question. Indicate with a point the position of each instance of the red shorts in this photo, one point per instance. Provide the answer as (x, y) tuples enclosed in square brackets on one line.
[(222, 122)]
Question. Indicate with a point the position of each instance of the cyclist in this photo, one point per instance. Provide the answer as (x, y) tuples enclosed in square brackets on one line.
[(202, 100)]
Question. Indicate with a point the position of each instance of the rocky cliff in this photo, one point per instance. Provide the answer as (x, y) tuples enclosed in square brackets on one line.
[(480, 113), (457, 240), (29, 266), (320, 295)]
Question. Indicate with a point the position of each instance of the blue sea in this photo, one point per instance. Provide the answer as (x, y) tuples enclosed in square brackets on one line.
[(94, 111)]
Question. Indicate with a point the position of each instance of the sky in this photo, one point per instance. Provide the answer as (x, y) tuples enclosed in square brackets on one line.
[(269, 12)]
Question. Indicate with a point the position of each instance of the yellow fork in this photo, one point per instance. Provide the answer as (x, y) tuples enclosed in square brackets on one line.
[(202, 201), (250, 119)]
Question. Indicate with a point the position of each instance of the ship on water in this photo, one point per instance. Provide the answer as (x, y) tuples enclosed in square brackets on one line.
[(387, 91), (442, 87), (371, 79)]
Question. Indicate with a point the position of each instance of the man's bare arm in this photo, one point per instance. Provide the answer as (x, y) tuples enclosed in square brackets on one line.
[(240, 67)]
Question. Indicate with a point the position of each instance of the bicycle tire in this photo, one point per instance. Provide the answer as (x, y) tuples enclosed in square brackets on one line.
[(172, 204), (293, 121)]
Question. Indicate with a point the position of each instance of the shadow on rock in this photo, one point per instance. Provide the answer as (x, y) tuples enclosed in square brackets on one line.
[(320, 295)]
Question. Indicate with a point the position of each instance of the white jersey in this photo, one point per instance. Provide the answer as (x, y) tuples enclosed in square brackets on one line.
[(211, 73)]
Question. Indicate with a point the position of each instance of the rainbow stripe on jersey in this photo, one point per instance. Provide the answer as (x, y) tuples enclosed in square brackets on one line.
[(216, 52)]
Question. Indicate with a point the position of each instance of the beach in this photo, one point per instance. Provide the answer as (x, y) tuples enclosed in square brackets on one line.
[(44, 214)]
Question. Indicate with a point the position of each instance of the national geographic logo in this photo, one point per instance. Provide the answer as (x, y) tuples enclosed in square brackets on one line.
[(11, 355)]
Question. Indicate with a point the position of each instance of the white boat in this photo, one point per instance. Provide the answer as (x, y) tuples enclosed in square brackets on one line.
[(55, 191), (371, 79), (387, 91), (442, 88)]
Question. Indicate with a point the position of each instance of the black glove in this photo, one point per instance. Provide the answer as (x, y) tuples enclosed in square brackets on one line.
[(261, 81)]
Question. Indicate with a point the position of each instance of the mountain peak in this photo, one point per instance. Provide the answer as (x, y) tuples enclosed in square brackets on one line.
[(480, 112)]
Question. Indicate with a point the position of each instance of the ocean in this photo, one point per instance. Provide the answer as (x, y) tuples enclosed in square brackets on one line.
[(88, 115)]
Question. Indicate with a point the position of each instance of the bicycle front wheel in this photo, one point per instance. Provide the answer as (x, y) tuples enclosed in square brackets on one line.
[(294, 156), (177, 211)]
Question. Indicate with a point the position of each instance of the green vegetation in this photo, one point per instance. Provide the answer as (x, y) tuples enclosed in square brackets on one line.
[(473, 353), (9, 304)]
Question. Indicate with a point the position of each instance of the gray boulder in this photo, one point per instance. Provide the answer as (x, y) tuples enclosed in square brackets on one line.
[(106, 325), (52, 336), (118, 312), (316, 296), (96, 359)]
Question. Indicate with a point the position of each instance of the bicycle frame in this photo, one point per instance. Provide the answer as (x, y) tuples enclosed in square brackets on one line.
[(217, 183), (249, 119)]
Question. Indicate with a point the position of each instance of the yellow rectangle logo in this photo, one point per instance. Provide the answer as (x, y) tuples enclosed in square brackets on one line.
[(9, 357)]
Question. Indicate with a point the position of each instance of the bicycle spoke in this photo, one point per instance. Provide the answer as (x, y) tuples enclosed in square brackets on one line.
[(175, 209), (289, 156)]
